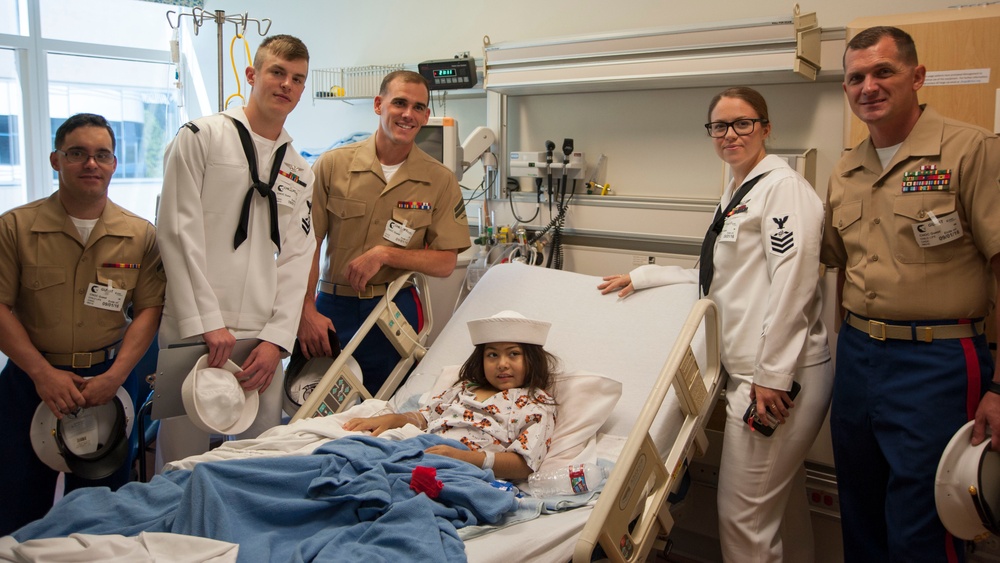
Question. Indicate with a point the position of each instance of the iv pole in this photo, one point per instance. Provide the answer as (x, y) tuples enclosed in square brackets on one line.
[(198, 17)]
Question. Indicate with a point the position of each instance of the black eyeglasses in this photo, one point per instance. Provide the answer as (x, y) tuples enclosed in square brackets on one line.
[(718, 129), (78, 156)]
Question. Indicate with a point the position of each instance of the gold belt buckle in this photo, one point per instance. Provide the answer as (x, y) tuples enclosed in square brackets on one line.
[(82, 360), (872, 326), (925, 334)]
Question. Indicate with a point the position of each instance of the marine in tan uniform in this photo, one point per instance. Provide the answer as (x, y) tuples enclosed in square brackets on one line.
[(912, 226), (70, 267), (385, 207)]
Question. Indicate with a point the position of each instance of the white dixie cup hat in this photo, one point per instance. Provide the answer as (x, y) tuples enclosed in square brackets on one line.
[(508, 326), (214, 400), (967, 487)]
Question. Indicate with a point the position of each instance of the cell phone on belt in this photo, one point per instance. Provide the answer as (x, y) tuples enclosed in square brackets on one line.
[(770, 424)]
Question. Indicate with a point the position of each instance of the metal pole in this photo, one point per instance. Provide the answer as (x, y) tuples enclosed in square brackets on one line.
[(220, 19)]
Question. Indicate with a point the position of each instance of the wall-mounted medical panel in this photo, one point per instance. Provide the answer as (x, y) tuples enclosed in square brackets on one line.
[(758, 51)]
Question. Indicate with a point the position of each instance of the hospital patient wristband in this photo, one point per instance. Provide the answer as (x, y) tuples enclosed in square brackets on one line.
[(490, 458), (993, 387)]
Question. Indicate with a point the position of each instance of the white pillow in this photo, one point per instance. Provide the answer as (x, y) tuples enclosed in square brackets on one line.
[(585, 401)]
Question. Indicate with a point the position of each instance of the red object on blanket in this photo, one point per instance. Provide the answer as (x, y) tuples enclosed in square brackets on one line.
[(424, 480)]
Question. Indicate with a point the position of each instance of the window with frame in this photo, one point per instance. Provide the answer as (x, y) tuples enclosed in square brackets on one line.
[(122, 72)]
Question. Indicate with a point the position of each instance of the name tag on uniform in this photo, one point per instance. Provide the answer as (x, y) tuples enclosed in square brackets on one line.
[(729, 231), (397, 233), (286, 194), (938, 230), (104, 297)]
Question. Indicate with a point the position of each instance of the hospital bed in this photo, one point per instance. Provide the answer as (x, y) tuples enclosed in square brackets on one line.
[(649, 342), (341, 387)]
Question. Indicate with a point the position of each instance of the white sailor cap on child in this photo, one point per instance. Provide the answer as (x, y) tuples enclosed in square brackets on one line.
[(214, 400), (508, 326)]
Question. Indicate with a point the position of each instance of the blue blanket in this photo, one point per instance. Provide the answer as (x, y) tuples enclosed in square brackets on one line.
[(349, 501)]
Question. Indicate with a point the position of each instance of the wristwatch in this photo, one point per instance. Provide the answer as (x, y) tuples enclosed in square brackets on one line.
[(993, 387)]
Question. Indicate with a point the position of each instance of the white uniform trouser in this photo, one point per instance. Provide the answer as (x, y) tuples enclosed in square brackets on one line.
[(763, 508), (178, 437)]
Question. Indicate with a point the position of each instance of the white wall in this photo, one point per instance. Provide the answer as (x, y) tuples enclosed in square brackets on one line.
[(352, 33)]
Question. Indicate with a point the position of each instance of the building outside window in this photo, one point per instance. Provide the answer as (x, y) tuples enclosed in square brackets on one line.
[(61, 57), (122, 72)]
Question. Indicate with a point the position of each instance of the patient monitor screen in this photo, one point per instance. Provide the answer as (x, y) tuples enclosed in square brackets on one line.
[(430, 139), (439, 138)]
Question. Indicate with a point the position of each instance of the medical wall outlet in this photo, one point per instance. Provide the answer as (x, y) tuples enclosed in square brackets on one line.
[(527, 164), (531, 164)]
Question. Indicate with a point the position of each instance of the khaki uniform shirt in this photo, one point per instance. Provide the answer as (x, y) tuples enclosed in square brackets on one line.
[(875, 217), (46, 270), (352, 205)]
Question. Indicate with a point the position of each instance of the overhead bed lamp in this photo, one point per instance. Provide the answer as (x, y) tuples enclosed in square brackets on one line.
[(749, 51)]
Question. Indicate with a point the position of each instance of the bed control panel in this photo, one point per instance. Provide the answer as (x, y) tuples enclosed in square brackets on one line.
[(345, 393)]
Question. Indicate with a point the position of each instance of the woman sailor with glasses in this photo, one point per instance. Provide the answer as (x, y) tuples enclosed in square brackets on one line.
[(760, 264)]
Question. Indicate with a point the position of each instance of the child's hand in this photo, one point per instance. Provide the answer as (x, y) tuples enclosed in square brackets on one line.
[(376, 424)]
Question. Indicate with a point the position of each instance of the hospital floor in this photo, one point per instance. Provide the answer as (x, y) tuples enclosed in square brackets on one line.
[(695, 535)]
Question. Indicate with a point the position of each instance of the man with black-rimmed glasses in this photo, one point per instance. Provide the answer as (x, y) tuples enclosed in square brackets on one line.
[(70, 266)]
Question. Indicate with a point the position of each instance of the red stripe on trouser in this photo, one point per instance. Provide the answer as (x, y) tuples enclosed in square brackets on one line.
[(949, 548), (973, 375), (420, 309), (973, 388)]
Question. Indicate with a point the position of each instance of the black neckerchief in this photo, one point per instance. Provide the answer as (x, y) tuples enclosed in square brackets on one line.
[(707, 259), (265, 190)]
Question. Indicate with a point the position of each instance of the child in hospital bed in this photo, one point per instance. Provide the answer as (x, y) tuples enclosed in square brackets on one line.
[(501, 408)]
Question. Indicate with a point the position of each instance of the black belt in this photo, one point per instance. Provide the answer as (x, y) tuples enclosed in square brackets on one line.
[(880, 330), (80, 360)]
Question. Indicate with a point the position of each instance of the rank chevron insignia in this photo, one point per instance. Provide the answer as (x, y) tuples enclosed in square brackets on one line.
[(782, 241)]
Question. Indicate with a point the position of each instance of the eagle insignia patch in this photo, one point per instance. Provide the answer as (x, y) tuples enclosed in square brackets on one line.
[(782, 240)]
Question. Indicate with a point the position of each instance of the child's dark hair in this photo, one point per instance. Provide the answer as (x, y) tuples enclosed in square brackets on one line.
[(540, 367)]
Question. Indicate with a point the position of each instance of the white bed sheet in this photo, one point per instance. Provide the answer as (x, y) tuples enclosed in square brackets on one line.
[(628, 340)]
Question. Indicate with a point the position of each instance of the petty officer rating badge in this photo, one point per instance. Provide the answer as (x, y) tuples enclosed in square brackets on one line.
[(782, 240)]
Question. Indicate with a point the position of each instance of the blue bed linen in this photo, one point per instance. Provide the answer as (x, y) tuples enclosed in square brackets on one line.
[(348, 501)]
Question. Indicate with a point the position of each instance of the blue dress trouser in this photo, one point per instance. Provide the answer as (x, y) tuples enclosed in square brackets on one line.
[(376, 355), (27, 485), (896, 405)]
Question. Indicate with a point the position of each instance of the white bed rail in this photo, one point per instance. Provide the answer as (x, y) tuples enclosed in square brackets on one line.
[(639, 476), (340, 387)]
